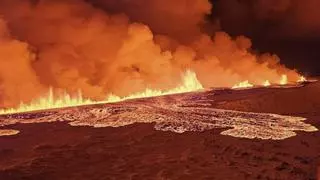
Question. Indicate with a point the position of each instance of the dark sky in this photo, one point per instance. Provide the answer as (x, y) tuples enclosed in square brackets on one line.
[(289, 28)]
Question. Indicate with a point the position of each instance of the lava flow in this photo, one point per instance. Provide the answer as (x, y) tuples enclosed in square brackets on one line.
[(244, 84), (266, 83)]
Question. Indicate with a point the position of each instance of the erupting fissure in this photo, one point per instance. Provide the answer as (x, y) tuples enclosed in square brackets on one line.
[(244, 84), (123, 48), (266, 83), (283, 81), (189, 83)]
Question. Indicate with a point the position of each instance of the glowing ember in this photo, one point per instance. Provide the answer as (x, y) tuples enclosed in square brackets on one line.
[(284, 80), (189, 83), (244, 84), (266, 83)]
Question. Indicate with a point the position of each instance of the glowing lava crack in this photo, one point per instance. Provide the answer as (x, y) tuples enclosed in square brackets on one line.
[(176, 113)]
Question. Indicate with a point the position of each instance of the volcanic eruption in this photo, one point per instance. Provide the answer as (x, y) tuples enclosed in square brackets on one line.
[(100, 79), (76, 48)]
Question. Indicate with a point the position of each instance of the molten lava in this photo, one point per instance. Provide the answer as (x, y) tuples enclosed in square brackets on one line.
[(244, 84), (284, 80), (189, 83), (266, 83)]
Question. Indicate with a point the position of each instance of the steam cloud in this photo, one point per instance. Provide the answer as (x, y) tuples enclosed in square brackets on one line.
[(120, 47)]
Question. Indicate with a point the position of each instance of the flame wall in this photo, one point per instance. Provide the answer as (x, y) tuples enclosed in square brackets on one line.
[(119, 47)]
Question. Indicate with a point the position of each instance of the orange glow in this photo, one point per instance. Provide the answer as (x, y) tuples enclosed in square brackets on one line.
[(266, 83), (189, 83), (284, 80)]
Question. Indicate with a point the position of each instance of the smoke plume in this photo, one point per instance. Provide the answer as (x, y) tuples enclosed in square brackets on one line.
[(119, 47)]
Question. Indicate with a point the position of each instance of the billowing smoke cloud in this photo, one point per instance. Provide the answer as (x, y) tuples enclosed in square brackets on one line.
[(120, 47), (18, 80)]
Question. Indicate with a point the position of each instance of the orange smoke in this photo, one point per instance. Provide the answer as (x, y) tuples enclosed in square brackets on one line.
[(72, 44), (18, 80)]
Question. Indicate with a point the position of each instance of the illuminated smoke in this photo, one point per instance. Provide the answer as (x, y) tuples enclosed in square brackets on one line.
[(18, 80), (115, 48)]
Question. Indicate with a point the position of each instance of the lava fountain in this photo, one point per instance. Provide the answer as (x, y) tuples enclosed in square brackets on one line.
[(190, 83), (49, 101)]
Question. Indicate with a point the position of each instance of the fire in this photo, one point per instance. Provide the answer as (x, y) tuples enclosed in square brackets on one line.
[(284, 80), (189, 83), (50, 102), (244, 84), (266, 83)]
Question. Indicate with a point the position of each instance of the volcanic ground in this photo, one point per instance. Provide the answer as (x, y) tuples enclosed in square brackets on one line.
[(259, 133)]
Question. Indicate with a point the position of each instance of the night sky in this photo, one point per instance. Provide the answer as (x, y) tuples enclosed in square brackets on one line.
[(288, 28)]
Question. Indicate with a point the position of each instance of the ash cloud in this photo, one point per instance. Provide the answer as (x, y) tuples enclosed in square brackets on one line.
[(119, 47)]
